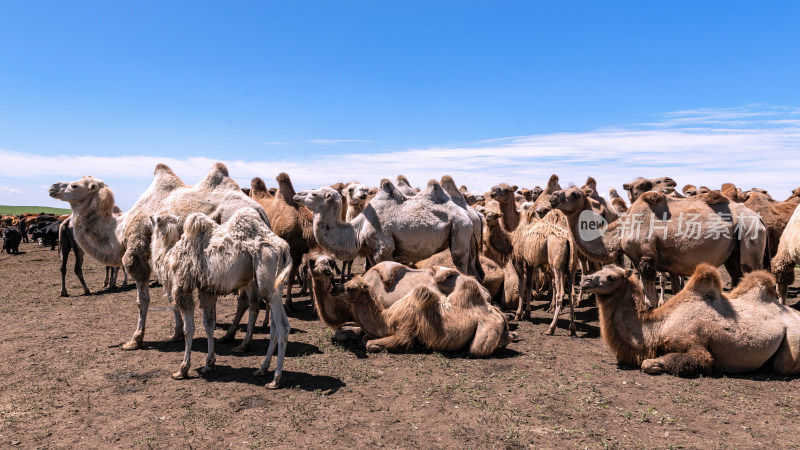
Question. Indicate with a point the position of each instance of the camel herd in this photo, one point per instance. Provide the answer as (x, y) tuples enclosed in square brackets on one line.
[(448, 269)]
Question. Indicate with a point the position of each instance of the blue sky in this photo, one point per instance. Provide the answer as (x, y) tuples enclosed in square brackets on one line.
[(410, 86)]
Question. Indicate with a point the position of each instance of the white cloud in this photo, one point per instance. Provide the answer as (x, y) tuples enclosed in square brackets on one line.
[(10, 190), (748, 146), (336, 141)]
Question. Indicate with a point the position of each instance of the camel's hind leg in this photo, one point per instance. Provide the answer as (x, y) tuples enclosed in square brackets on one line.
[(279, 326), (79, 269), (254, 303), (787, 358), (185, 302), (693, 361), (289, 302), (143, 301), (525, 281), (65, 248), (209, 304)]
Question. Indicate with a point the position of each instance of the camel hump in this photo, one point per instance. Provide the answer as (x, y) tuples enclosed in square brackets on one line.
[(435, 193), (592, 183), (215, 177), (470, 291), (441, 274), (258, 188), (196, 224), (285, 187), (387, 186), (759, 279), (449, 186), (705, 281), (166, 177), (714, 197), (653, 197), (425, 297), (283, 177), (401, 179), (552, 184)]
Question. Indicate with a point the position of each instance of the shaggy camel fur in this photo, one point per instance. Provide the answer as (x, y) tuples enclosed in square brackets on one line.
[(394, 227), (123, 239), (700, 330), (639, 186), (290, 221), (654, 245), (545, 245), (617, 201), (775, 215), (217, 260), (439, 322), (788, 255), (493, 279), (405, 187)]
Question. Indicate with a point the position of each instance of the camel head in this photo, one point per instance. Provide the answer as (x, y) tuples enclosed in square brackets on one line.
[(503, 193), (569, 201), (78, 191), (526, 193), (319, 200), (166, 230), (356, 193), (689, 190), (492, 218), (321, 266), (612, 193), (606, 280), (639, 186), (355, 291)]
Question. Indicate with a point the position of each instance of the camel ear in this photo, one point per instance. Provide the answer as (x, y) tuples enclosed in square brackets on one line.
[(588, 191), (626, 186), (514, 188), (92, 186)]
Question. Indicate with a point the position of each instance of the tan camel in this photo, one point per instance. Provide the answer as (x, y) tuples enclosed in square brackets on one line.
[(123, 239), (775, 215), (393, 227), (472, 198), (544, 245), (503, 201), (220, 259), (497, 248), (700, 229), (530, 195), (639, 186), (700, 330), (425, 314), (787, 256)]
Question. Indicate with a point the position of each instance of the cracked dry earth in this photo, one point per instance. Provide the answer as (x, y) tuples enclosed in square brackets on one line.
[(65, 382)]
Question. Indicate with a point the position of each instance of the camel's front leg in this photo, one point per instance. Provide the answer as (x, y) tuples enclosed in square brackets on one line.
[(242, 304), (393, 343), (143, 301), (692, 362), (185, 302), (209, 304), (558, 296), (487, 336), (648, 273), (79, 269), (278, 337), (254, 304), (522, 288)]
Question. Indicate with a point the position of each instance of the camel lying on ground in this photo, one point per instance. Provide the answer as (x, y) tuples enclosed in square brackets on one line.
[(123, 239), (425, 314), (218, 260), (700, 330)]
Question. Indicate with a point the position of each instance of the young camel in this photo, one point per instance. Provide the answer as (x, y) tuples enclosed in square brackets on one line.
[(123, 239), (394, 227), (217, 260), (700, 330), (356, 198), (664, 246), (439, 322)]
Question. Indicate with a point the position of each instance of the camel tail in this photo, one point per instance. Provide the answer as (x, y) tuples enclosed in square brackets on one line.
[(284, 267)]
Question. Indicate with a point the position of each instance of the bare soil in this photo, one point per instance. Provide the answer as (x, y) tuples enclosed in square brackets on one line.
[(65, 382)]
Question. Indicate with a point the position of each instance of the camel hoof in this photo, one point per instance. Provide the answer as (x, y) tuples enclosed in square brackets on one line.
[(205, 369), (241, 348), (176, 338), (87, 292), (179, 375), (526, 315), (260, 373), (273, 385), (64, 294), (550, 332), (133, 344), (372, 348), (226, 338), (652, 366)]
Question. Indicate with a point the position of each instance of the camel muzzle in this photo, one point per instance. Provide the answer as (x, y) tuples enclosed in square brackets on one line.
[(55, 189)]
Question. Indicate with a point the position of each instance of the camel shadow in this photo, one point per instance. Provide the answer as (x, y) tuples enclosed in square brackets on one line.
[(582, 319), (257, 347), (289, 380)]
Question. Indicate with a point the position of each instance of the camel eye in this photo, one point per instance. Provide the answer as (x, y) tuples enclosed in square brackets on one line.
[(74, 186)]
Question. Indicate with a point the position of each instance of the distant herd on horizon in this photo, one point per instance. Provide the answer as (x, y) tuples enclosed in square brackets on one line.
[(448, 269)]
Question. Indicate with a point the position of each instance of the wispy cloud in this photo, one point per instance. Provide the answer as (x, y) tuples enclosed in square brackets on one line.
[(748, 146), (10, 190), (336, 141)]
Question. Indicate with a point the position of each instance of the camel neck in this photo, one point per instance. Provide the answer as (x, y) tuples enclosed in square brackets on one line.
[(368, 314), (335, 236), (602, 249), (331, 312), (622, 325), (510, 215)]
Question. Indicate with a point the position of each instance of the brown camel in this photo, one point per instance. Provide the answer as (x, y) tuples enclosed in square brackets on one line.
[(123, 239), (438, 321), (775, 215), (700, 330), (617, 201), (701, 229), (606, 209), (503, 201)]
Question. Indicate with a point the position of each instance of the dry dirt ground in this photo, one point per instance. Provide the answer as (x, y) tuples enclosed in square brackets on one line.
[(65, 382)]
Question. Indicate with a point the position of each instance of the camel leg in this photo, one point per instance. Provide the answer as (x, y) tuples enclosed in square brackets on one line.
[(647, 272), (290, 283), (345, 265), (393, 343), (279, 327), (209, 304), (177, 333), (241, 306), (522, 288), (558, 296), (105, 280), (254, 305), (662, 280), (143, 301), (787, 358), (185, 302), (487, 337), (79, 269), (64, 257), (691, 362)]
